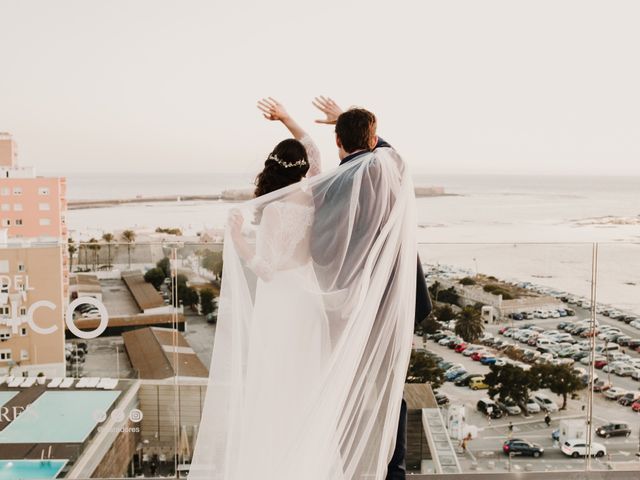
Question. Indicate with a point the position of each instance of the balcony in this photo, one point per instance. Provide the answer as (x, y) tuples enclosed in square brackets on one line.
[(518, 285)]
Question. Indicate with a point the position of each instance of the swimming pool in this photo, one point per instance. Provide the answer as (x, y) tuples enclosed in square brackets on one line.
[(6, 396), (59, 417), (30, 469)]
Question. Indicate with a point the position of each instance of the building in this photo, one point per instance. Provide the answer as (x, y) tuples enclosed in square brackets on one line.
[(31, 299), (33, 266)]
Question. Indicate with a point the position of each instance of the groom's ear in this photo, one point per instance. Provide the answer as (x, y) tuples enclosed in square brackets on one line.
[(338, 142)]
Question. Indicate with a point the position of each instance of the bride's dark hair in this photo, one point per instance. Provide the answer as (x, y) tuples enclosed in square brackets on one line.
[(275, 175)]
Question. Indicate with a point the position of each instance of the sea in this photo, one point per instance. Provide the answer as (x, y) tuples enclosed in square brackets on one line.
[(544, 229)]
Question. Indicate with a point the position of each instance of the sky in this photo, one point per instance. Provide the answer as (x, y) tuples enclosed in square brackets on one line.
[(497, 87)]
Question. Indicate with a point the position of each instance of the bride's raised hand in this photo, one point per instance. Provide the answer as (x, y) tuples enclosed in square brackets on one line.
[(330, 108), (272, 109)]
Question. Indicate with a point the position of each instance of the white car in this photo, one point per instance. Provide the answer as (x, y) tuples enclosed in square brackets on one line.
[(624, 370), (578, 448), (585, 360), (545, 403), (614, 393), (531, 406), (610, 367)]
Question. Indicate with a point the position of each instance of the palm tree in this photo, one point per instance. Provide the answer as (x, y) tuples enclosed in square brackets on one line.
[(83, 248), (129, 236), (94, 246), (469, 324), (108, 238), (71, 248)]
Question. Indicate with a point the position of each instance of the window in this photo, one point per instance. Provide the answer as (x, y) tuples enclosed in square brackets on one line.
[(44, 207), (5, 354), (43, 191), (17, 190), (18, 221), (4, 310), (5, 191), (6, 222), (45, 221), (6, 207), (23, 332), (21, 267), (17, 207), (23, 310), (4, 266), (5, 334), (24, 354)]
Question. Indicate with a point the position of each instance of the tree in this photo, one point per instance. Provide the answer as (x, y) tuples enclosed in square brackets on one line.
[(467, 281), (430, 325), (108, 239), (188, 296), (206, 300), (94, 246), (424, 369), (509, 382), (212, 261), (155, 277), (469, 325), (440, 294), (71, 248), (444, 313), (560, 379), (165, 266), (129, 237)]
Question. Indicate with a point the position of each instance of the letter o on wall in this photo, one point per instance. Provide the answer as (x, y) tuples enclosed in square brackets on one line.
[(104, 318)]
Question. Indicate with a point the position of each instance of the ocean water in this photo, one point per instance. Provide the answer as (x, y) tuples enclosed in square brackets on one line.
[(535, 228)]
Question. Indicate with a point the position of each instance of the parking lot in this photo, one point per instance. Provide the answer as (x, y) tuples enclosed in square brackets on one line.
[(484, 453)]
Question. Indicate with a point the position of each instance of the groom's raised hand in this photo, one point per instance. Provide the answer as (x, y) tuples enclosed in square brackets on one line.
[(330, 108)]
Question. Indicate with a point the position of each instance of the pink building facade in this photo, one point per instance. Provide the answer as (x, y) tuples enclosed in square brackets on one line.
[(33, 238)]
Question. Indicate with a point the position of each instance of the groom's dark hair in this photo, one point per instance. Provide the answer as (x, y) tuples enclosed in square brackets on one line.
[(355, 129)]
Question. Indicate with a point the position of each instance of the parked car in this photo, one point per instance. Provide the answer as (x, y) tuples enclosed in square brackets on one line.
[(509, 407), (628, 398), (489, 407), (477, 383), (488, 360), (578, 448), (530, 406), (461, 347), (601, 386), (623, 370), (614, 393), (614, 429), (441, 399), (464, 380), (635, 406), (545, 403), (517, 446)]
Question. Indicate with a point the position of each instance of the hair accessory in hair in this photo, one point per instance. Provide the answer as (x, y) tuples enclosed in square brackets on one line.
[(300, 163)]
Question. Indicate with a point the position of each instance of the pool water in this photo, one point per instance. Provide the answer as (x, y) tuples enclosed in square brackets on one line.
[(30, 469), (59, 417), (6, 396)]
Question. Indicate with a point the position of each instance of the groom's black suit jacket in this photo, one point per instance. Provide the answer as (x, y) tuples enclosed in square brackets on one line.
[(338, 196)]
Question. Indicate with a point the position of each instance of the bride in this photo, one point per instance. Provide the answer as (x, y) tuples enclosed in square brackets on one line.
[(306, 376)]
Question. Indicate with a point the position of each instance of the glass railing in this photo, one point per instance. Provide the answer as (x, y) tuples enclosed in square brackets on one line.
[(109, 380)]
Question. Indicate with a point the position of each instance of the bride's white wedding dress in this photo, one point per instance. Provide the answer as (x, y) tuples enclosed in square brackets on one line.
[(310, 356)]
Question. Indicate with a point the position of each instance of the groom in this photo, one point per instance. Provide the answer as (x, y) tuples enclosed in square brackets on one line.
[(356, 136)]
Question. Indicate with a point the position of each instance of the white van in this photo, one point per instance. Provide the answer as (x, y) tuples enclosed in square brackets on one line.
[(609, 347), (545, 342)]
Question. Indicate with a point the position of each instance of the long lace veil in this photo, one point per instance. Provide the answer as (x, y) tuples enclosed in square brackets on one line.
[(314, 331)]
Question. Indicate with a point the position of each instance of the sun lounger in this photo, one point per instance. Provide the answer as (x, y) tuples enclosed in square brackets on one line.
[(15, 382), (92, 382), (67, 382), (108, 383), (55, 382), (3, 379), (82, 383), (28, 382)]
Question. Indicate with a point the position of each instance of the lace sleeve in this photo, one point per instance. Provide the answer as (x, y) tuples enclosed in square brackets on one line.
[(313, 153), (282, 228)]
